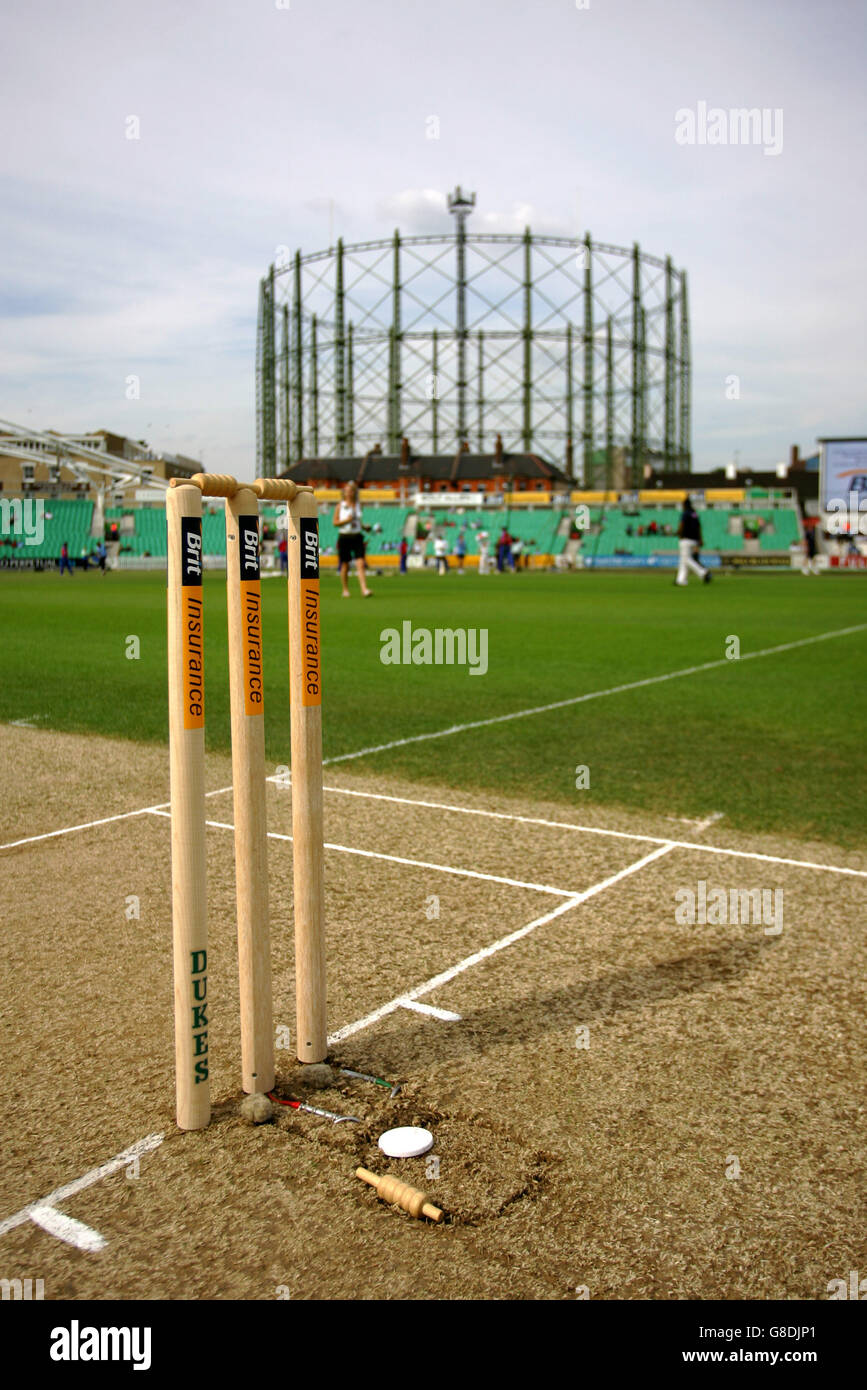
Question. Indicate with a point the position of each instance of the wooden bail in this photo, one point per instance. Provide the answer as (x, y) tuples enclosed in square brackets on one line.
[(391, 1189)]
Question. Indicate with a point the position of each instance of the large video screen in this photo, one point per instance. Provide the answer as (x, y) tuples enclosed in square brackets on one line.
[(844, 471)]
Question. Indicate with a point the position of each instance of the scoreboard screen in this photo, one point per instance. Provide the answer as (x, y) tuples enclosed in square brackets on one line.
[(843, 472)]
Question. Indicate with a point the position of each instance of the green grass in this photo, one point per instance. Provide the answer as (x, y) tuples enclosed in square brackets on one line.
[(775, 744)]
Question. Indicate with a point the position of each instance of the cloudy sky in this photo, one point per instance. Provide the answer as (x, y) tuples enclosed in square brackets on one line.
[(265, 123)]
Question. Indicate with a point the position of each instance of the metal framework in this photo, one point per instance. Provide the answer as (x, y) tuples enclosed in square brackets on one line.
[(465, 336), (92, 466)]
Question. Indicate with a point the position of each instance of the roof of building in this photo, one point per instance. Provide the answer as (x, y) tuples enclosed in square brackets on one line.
[(455, 467)]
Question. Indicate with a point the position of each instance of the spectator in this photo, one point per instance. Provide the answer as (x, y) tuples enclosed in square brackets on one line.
[(101, 555)]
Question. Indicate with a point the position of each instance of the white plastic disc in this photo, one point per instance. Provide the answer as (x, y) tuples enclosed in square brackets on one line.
[(409, 1142)]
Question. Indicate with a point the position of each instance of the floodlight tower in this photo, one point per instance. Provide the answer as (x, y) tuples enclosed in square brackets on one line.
[(461, 205)]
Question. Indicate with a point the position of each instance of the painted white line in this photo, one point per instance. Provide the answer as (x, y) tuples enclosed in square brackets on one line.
[(595, 694), (445, 1015), (67, 1229), (161, 809), (447, 869), (71, 829), (699, 825), (70, 1189), (769, 858), (598, 830), (504, 718), (106, 820), (406, 1000), (468, 962), (411, 863)]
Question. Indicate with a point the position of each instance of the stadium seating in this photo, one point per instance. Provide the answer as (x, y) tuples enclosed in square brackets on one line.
[(779, 530), (536, 528), (68, 521), (389, 521)]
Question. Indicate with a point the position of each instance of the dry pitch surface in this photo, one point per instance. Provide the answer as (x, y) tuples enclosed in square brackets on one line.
[(611, 1168)]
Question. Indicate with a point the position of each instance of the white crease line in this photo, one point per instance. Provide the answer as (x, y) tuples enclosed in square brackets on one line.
[(402, 1000), (106, 820), (411, 863), (70, 829), (445, 1015), (70, 1189), (698, 824), (598, 830), (406, 1000), (160, 809), (594, 695), (67, 1229), (523, 714)]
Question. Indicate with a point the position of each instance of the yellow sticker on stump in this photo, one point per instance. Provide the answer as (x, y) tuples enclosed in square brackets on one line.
[(192, 622), (251, 614), (194, 669), (311, 683), (311, 687), (251, 609)]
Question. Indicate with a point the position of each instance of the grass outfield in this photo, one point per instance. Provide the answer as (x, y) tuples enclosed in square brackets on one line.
[(775, 744)]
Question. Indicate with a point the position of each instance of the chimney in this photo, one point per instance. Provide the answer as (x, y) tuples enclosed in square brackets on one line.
[(463, 448), (375, 452)]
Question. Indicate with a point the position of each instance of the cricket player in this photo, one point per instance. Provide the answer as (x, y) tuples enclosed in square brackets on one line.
[(689, 532)]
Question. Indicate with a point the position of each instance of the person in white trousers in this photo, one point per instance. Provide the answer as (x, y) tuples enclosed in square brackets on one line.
[(689, 532), (484, 566)]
